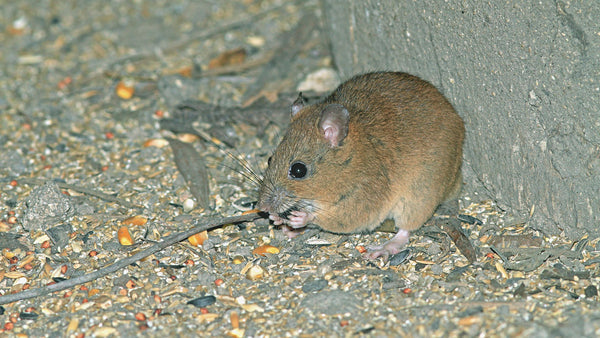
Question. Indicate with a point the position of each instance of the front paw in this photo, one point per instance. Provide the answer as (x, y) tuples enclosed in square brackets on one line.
[(299, 219), (276, 219)]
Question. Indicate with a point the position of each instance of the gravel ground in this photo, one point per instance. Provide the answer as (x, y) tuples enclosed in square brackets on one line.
[(84, 88)]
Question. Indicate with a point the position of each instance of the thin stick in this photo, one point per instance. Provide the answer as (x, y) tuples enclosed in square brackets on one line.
[(102, 272), (91, 192), (204, 34)]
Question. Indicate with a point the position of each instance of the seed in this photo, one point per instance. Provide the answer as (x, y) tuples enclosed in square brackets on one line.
[(135, 220), (198, 239), (130, 284), (235, 320), (470, 320), (124, 91), (203, 302), (255, 273), (156, 142), (263, 249), (124, 236)]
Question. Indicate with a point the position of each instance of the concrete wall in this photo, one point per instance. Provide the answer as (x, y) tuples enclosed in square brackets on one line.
[(524, 75)]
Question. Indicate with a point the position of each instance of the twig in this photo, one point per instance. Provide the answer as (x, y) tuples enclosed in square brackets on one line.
[(178, 237), (91, 192), (203, 35), (238, 68), (484, 304)]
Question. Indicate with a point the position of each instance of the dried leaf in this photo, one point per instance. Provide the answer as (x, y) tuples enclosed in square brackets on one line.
[(192, 168), (453, 229)]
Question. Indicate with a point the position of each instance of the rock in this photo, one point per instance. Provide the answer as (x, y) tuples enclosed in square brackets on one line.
[(47, 206), (526, 86), (332, 302)]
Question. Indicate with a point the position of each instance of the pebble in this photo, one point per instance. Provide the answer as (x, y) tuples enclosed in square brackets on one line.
[(314, 285)]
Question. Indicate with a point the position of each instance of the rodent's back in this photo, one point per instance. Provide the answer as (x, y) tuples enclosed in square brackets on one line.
[(400, 159), (417, 125)]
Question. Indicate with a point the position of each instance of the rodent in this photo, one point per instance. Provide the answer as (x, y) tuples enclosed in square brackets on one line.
[(382, 145)]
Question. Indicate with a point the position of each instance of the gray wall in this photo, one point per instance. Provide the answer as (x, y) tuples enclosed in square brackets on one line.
[(524, 75)]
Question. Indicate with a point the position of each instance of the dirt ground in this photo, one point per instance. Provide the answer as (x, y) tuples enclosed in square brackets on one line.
[(94, 96)]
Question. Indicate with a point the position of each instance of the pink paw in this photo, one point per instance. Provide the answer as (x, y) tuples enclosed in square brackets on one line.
[(293, 226), (299, 219), (291, 232), (391, 247), (276, 219)]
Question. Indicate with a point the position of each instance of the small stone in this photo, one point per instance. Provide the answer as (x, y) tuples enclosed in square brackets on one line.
[(47, 206), (188, 205), (314, 285), (332, 302), (591, 291)]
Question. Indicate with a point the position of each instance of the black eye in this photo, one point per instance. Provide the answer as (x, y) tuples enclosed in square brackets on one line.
[(298, 170), (269, 160)]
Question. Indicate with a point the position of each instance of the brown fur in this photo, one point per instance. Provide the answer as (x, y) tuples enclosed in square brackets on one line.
[(400, 159)]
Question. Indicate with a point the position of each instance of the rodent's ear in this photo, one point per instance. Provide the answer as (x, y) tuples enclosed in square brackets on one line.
[(334, 124), (298, 104)]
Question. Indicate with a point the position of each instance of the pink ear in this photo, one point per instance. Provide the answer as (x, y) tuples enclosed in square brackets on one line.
[(298, 104), (334, 124)]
